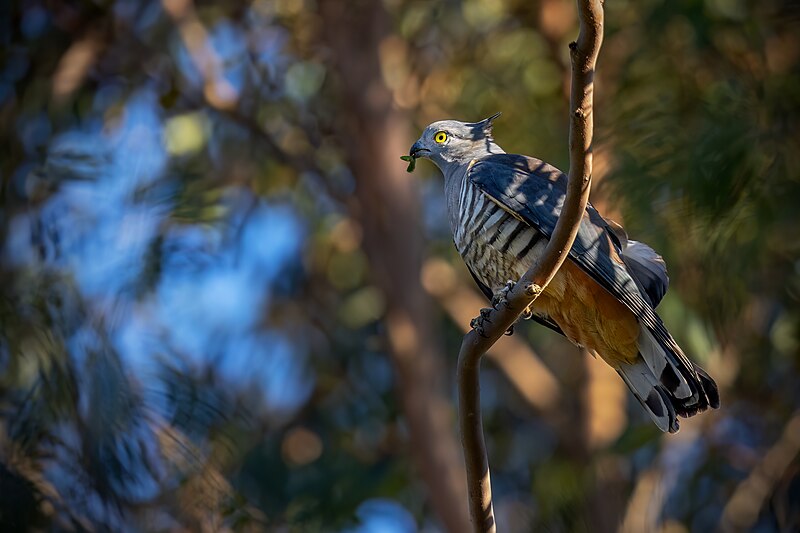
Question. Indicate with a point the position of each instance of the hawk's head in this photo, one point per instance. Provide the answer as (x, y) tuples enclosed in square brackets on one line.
[(450, 141)]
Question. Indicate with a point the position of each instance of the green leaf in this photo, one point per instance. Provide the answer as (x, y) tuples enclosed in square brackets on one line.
[(412, 162)]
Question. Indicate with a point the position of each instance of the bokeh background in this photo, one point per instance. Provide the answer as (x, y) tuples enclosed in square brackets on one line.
[(224, 304)]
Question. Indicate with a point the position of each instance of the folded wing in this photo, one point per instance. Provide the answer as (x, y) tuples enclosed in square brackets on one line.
[(631, 271)]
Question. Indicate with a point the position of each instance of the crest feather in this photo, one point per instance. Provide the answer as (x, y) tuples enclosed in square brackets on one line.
[(484, 127)]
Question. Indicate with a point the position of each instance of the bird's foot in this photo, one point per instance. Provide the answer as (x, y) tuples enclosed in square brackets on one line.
[(478, 322), (501, 296), (527, 314)]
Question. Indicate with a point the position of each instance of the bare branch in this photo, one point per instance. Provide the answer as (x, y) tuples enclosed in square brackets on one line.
[(217, 90), (583, 54), (534, 382), (742, 510), (75, 64)]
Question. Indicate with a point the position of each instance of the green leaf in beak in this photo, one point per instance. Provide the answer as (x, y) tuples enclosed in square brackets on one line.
[(412, 162)]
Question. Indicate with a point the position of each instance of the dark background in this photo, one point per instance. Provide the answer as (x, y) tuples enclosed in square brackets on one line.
[(225, 305)]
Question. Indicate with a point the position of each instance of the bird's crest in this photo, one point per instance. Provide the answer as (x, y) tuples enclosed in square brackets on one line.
[(482, 129)]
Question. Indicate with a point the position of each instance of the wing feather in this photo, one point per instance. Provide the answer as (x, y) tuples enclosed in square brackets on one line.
[(535, 191), (645, 266)]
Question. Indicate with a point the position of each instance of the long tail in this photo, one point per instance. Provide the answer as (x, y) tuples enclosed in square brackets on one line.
[(667, 384)]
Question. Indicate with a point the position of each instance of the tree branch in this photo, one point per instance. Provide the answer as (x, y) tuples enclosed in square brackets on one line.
[(583, 55), (534, 382), (742, 510)]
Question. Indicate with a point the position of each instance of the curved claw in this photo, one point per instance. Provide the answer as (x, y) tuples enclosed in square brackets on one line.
[(501, 296), (477, 322), (477, 325)]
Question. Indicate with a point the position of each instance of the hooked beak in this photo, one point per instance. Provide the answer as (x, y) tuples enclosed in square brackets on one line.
[(418, 151)]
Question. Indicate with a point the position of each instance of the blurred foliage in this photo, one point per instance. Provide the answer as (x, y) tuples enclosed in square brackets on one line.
[(190, 336)]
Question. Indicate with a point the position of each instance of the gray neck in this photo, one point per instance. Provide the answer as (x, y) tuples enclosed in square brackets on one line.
[(455, 172)]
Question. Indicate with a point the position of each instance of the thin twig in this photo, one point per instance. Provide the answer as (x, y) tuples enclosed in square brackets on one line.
[(583, 54)]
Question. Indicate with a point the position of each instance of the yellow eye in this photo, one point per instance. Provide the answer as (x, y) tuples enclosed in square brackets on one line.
[(440, 137)]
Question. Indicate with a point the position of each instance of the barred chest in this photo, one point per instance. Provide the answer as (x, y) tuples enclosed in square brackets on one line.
[(495, 245)]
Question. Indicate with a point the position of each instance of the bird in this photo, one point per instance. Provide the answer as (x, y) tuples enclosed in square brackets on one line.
[(502, 209)]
